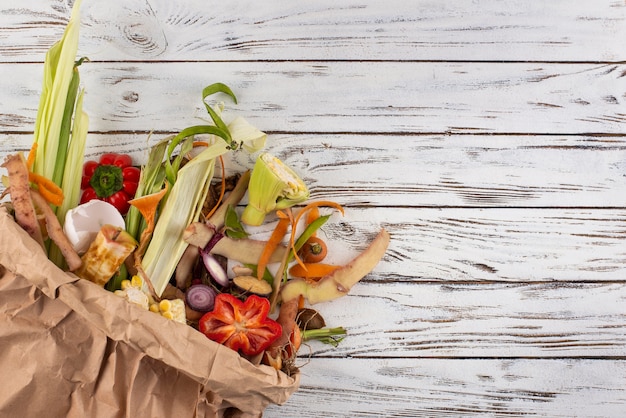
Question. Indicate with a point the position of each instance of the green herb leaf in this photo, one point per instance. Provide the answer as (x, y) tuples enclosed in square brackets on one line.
[(213, 89), (233, 227)]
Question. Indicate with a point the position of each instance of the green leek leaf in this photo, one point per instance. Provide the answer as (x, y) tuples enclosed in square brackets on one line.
[(66, 125), (170, 169)]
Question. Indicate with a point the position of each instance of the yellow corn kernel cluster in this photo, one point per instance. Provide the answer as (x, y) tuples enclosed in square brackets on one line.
[(173, 309), (292, 183), (131, 291)]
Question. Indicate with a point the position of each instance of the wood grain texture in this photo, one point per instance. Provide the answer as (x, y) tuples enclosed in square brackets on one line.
[(454, 388), (428, 170), (484, 245), (163, 30), (340, 97), (413, 320)]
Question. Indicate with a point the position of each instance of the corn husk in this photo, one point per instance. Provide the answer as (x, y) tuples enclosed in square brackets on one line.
[(182, 207)]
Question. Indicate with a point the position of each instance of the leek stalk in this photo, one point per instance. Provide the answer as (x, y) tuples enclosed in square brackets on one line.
[(58, 70), (73, 172)]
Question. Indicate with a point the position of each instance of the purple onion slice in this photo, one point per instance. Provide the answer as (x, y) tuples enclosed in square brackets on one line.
[(214, 268), (200, 297)]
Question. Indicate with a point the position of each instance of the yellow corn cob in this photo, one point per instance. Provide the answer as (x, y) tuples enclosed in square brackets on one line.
[(273, 185)]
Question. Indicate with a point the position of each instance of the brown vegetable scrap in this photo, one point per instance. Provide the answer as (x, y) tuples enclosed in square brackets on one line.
[(215, 190), (19, 190), (55, 232)]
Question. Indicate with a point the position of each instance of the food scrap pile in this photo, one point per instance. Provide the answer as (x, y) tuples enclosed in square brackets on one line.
[(172, 238)]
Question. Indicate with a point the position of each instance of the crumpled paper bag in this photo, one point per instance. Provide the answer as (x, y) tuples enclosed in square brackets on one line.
[(69, 348)]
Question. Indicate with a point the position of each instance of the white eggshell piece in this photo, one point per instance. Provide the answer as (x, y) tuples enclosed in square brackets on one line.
[(84, 221)]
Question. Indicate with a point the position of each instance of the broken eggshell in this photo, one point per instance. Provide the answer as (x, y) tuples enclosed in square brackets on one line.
[(83, 222)]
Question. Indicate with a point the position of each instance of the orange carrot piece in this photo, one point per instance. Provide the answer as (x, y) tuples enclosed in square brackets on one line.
[(311, 216), (304, 210), (31, 156), (147, 206), (312, 270), (222, 191), (284, 220), (47, 188)]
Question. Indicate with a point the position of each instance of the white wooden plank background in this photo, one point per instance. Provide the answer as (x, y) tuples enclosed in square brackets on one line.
[(397, 97), (487, 136)]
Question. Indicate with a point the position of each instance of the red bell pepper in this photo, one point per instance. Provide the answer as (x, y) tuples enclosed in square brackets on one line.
[(240, 325), (112, 179)]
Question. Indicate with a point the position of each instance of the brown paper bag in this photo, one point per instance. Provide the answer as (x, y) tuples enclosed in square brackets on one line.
[(69, 348)]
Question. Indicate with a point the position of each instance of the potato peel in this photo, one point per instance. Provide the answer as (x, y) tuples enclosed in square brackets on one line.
[(339, 282)]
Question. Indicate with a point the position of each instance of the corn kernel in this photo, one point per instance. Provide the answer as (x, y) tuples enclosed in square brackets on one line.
[(125, 284), (167, 314), (154, 308), (165, 305), (136, 281)]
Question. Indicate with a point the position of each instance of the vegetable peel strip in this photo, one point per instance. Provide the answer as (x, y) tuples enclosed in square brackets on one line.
[(31, 156), (222, 190), (311, 216), (47, 188), (312, 271), (284, 220), (299, 216), (147, 206)]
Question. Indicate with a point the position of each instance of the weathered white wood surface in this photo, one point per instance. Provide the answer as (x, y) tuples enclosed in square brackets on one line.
[(192, 30), (487, 136), (432, 170), (395, 97), (416, 387)]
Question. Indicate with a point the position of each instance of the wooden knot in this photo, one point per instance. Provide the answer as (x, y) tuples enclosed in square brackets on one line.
[(150, 42)]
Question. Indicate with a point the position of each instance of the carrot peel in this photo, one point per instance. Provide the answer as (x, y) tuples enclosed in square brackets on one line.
[(47, 188), (284, 220), (312, 271), (309, 207)]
